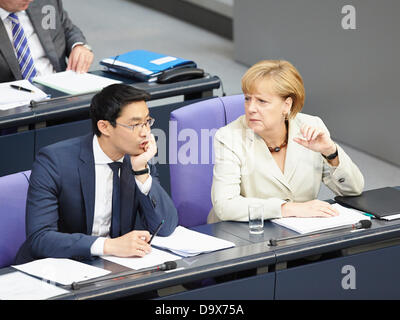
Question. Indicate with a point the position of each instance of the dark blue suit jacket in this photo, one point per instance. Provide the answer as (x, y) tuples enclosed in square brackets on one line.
[(61, 196)]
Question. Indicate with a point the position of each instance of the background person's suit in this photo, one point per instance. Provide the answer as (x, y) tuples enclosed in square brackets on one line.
[(57, 43)]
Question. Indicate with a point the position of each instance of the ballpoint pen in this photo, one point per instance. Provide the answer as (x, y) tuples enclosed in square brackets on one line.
[(21, 88), (368, 214), (155, 233)]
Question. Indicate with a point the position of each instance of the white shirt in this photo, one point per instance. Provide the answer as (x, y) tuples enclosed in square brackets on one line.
[(103, 196), (42, 63)]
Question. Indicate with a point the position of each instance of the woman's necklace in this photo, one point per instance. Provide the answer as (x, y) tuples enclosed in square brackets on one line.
[(278, 148)]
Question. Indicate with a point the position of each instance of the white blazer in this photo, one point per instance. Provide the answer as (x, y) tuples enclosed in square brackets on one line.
[(245, 172)]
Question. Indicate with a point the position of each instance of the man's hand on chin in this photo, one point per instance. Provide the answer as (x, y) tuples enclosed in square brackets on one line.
[(139, 162)]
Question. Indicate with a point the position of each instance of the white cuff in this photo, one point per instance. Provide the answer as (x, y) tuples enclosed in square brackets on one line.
[(146, 186), (75, 44), (97, 248)]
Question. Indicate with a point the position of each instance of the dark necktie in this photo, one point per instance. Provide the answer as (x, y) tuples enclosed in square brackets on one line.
[(116, 201)]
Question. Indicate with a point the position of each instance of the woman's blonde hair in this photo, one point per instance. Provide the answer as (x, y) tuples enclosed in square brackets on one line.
[(286, 81)]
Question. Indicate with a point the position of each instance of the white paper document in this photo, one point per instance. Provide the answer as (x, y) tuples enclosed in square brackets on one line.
[(305, 225), (154, 258), (188, 243), (62, 271), (19, 286), (75, 83), (12, 98), (392, 217)]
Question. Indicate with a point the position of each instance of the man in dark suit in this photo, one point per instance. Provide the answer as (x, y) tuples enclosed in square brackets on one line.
[(51, 38), (97, 194)]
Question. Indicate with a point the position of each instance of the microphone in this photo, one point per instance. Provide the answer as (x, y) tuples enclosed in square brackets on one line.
[(362, 224), (168, 265)]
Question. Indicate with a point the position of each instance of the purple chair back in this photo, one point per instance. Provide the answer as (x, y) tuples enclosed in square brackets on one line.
[(191, 156), (13, 192)]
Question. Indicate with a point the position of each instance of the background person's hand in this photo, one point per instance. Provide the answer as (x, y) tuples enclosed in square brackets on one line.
[(309, 209), (134, 243), (80, 59)]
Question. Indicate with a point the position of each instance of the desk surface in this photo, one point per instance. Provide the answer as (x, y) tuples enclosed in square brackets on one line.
[(250, 252), (243, 256), (65, 105), (313, 245)]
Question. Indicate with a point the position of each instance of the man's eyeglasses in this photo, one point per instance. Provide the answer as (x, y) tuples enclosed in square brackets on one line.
[(149, 123)]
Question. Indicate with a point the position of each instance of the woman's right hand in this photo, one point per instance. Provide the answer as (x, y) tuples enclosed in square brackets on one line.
[(309, 209)]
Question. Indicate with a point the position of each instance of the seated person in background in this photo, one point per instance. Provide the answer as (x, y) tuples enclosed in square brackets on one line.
[(97, 194), (275, 155), (36, 38)]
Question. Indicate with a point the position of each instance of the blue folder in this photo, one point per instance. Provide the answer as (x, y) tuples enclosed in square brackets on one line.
[(144, 65)]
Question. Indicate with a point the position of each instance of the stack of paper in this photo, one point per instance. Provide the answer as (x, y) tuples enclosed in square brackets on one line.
[(189, 243), (154, 258), (11, 98), (20, 286), (75, 83), (61, 271), (305, 225)]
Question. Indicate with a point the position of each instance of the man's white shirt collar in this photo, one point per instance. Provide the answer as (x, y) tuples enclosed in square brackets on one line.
[(99, 156), (4, 14)]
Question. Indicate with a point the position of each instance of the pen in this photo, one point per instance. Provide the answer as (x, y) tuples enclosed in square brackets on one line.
[(368, 215), (155, 233), (21, 88)]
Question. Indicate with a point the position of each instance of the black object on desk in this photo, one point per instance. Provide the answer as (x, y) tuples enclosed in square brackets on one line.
[(181, 74), (168, 265), (362, 224), (21, 88), (157, 230), (381, 202)]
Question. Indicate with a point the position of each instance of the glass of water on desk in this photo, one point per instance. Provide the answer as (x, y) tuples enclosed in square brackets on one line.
[(256, 218)]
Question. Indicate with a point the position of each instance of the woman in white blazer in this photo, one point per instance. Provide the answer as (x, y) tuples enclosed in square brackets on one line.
[(275, 155)]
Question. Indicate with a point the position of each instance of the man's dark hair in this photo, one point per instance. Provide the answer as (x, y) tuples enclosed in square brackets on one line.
[(108, 103)]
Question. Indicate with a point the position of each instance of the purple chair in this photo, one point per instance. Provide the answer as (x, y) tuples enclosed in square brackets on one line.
[(191, 156), (13, 192)]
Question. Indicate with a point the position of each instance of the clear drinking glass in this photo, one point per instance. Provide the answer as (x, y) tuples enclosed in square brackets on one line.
[(256, 218)]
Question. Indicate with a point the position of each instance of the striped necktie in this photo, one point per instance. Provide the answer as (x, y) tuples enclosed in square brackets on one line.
[(20, 43)]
